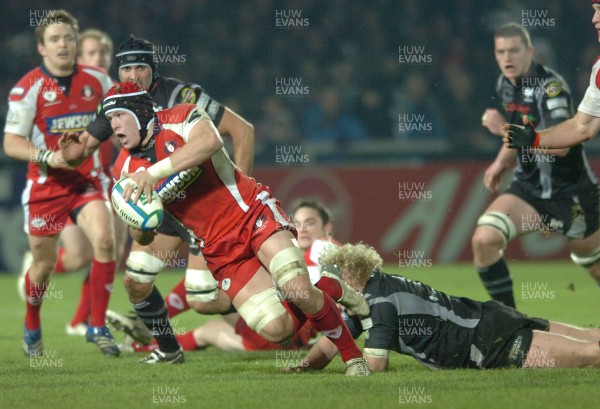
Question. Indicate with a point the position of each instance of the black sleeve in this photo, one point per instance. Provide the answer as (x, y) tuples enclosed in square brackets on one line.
[(100, 127), (385, 327), (194, 94), (353, 324)]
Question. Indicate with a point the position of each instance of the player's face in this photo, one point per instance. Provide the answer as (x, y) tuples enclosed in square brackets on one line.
[(310, 227), (93, 52), (513, 57), (141, 74), (596, 20), (58, 49), (125, 128)]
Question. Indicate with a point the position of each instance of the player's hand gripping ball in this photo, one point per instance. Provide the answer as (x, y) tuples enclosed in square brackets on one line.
[(143, 215)]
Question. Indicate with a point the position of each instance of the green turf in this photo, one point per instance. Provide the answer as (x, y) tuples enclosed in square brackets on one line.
[(75, 375)]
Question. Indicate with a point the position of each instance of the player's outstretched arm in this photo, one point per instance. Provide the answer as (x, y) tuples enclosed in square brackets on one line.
[(318, 357), (18, 147), (242, 136), (77, 147), (581, 128)]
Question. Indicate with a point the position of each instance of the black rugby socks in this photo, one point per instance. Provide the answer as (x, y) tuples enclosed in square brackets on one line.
[(498, 283)]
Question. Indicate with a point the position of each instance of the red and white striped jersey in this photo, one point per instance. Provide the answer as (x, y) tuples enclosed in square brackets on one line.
[(41, 108), (208, 199)]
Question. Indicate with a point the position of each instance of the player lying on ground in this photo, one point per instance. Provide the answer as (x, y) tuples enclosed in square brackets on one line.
[(237, 224), (443, 331)]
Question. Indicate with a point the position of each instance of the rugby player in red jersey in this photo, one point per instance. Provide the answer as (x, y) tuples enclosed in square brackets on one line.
[(248, 243), (230, 332), (57, 97)]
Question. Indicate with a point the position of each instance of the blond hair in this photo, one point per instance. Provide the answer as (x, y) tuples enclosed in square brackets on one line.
[(99, 35), (355, 261), (56, 17)]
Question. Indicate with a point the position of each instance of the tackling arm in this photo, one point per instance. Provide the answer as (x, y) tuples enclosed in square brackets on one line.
[(318, 357)]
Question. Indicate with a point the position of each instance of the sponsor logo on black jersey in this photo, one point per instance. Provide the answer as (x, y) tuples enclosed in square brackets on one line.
[(188, 95)]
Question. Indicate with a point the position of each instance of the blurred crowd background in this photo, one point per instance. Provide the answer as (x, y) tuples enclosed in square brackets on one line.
[(327, 75)]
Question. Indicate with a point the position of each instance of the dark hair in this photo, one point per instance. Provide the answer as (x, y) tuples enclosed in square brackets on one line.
[(514, 30), (137, 51), (55, 17), (324, 212)]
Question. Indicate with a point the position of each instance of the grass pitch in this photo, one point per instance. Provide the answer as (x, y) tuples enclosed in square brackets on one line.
[(75, 375)]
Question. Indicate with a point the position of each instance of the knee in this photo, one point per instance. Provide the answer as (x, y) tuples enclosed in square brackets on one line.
[(278, 330), (264, 313), (494, 229), (210, 308), (104, 244), (137, 291), (484, 238), (77, 259)]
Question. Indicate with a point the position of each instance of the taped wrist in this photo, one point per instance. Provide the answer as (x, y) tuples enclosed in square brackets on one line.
[(162, 169), (44, 156)]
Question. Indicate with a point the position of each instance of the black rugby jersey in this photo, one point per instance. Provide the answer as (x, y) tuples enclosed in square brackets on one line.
[(412, 318), (544, 96)]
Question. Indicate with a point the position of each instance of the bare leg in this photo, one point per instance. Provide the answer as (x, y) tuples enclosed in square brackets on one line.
[(220, 334), (587, 248), (573, 331), (78, 249), (549, 350)]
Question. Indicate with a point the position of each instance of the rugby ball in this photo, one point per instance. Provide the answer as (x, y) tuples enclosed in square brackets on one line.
[(143, 215)]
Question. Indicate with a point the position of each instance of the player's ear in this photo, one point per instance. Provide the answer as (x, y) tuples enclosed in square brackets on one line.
[(328, 228), (41, 49)]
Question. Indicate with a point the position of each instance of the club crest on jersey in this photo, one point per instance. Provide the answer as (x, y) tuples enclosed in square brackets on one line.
[(225, 284), (170, 147), (260, 223), (528, 94), (87, 93), (50, 95)]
